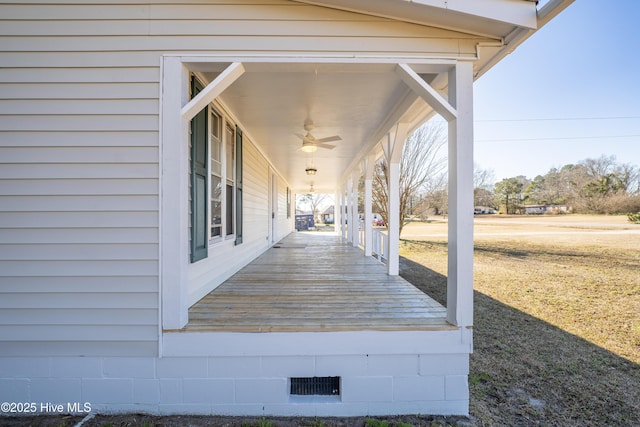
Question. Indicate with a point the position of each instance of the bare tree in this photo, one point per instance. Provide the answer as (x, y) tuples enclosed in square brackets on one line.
[(422, 172), (483, 182), (314, 201)]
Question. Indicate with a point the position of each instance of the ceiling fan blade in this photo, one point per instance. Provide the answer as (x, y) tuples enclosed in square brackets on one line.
[(329, 139), (329, 146), (299, 135)]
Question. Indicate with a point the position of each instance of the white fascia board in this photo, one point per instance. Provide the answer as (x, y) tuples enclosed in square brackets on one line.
[(516, 12), (520, 35), (551, 10), (451, 14)]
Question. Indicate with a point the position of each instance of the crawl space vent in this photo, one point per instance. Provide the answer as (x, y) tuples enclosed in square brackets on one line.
[(318, 386)]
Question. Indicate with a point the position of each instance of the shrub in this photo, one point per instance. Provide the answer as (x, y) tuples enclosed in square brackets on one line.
[(634, 217)]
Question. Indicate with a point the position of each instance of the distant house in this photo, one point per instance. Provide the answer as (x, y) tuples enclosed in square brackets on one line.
[(150, 151), (545, 209), (327, 216)]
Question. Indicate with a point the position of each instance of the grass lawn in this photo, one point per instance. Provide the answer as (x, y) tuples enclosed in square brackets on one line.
[(557, 317)]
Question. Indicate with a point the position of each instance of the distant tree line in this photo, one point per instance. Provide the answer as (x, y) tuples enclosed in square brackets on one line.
[(600, 185)]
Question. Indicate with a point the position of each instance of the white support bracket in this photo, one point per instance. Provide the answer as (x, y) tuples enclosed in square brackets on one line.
[(212, 90), (426, 92)]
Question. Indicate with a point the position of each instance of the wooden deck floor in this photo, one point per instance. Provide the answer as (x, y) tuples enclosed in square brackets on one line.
[(313, 282)]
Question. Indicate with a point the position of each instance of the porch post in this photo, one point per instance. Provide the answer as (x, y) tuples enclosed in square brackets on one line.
[(337, 218), (349, 210), (174, 244), (394, 155), (355, 218), (460, 237), (368, 204), (343, 216)]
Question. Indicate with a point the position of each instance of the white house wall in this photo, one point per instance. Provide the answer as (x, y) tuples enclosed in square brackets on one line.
[(80, 216), (79, 187)]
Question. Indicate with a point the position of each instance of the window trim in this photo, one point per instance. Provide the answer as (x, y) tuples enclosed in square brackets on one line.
[(218, 237)]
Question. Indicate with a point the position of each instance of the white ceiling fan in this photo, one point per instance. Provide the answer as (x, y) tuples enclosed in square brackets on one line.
[(311, 143)]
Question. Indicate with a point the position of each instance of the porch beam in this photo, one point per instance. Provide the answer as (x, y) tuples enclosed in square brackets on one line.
[(212, 90), (460, 229), (426, 92)]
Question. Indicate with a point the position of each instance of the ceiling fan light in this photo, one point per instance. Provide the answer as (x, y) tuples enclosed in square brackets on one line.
[(311, 171), (309, 148)]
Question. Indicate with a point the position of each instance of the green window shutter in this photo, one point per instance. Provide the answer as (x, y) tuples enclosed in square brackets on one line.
[(238, 186), (199, 191)]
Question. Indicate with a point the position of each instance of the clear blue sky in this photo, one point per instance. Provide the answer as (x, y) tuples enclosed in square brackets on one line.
[(570, 92)]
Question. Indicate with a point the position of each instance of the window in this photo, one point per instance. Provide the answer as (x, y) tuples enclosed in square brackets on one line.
[(215, 168), (215, 180)]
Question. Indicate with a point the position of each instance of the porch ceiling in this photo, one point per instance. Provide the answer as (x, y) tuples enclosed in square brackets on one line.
[(353, 101), (360, 102)]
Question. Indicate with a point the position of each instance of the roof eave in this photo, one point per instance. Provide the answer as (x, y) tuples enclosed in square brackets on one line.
[(519, 35), (489, 18)]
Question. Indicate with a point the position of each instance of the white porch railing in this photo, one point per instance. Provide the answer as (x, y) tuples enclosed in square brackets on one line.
[(380, 244)]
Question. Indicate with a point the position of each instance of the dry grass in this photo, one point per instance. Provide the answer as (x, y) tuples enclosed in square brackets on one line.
[(557, 323)]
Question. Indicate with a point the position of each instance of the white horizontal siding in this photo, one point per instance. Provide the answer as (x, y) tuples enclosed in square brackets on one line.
[(59, 235), (73, 106), (285, 224), (337, 26), (93, 122), (255, 193), (78, 251), (109, 316), (78, 203), (30, 220), (378, 45), (48, 268), (122, 284), (92, 91), (43, 187), (104, 138), (79, 131), (92, 300), (83, 75), (79, 154), (82, 171)]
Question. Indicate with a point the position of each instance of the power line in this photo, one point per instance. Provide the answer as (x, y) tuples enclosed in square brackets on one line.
[(556, 138), (550, 119)]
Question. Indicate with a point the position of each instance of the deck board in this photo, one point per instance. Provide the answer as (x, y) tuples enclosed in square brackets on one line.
[(314, 282)]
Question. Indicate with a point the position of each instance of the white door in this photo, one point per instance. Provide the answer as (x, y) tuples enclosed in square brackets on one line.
[(273, 208)]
